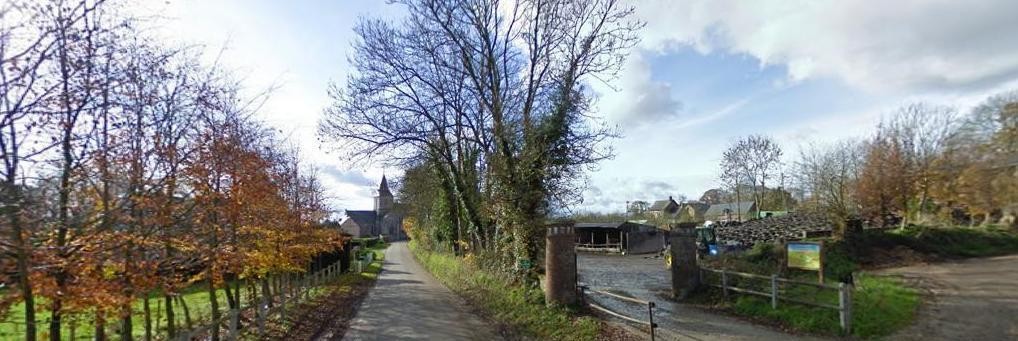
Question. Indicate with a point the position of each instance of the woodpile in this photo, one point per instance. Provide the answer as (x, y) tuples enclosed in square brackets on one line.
[(793, 226)]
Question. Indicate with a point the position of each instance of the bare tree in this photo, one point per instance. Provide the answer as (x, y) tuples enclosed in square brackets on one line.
[(923, 130), (491, 88), (755, 159), (829, 174)]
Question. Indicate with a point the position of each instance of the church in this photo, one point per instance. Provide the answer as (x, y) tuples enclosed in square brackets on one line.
[(386, 219)]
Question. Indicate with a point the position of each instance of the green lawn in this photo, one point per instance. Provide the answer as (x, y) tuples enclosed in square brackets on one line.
[(197, 298), (13, 325), (520, 307)]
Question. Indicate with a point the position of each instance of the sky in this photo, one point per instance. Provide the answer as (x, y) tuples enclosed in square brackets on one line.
[(704, 74)]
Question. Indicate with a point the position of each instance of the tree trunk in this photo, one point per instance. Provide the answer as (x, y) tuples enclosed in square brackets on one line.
[(266, 292), (56, 316), (100, 328), (148, 319), (187, 313), (171, 324), (127, 327), (214, 302), (230, 302), (12, 206)]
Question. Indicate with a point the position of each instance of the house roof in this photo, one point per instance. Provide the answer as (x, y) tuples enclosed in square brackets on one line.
[(660, 205), (362, 218), (698, 207), (733, 207)]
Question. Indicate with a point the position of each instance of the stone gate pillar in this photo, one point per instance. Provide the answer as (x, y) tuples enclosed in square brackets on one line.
[(685, 270), (560, 266)]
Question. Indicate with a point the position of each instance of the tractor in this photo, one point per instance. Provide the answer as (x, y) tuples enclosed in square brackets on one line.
[(706, 243)]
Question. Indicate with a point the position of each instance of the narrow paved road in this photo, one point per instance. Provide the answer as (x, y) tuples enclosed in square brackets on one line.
[(407, 303), (975, 299)]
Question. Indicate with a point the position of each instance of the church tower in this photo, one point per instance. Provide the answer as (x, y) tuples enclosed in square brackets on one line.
[(383, 202)]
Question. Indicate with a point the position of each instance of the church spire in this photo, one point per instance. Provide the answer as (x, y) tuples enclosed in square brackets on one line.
[(383, 188)]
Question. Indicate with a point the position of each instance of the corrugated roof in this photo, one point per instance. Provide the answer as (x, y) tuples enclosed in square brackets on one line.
[(625, 226), (611, 225)]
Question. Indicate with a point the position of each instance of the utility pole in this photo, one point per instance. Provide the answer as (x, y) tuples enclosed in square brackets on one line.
[(781, 191)]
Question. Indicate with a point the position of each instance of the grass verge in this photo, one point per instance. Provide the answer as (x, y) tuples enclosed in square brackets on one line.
[(328, 313), (880, 306), (521, 308)]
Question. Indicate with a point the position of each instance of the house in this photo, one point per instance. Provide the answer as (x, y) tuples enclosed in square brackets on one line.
[(691, 212), (620, 237), (386, 219), (733, 211), (662, 208)]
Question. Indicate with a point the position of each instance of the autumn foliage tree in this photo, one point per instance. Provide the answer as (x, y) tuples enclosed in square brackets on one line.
[(129, 169)]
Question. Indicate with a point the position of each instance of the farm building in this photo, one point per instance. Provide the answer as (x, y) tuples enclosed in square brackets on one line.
[(663, 208), (733, 211), (691, 212), (619, 237)]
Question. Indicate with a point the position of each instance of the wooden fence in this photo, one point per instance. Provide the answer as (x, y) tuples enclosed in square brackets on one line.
[(650, 307), (293, 290), (844, 290)]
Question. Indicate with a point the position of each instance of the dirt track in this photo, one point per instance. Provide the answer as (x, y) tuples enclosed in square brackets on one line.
[(975, 299)]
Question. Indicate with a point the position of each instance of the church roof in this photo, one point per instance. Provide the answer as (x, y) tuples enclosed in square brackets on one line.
[(362, 218)]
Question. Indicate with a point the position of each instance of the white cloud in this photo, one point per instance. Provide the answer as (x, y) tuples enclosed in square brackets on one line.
[(639, 98), (875, 46)]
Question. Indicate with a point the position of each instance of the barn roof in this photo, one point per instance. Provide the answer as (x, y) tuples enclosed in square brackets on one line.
[(624, 225), (734, 207)]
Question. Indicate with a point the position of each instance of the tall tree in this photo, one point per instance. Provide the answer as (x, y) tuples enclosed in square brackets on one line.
[(491, 88)]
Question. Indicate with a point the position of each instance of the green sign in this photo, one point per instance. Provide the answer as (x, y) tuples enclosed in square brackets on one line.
[(802, 255), (525, 264)]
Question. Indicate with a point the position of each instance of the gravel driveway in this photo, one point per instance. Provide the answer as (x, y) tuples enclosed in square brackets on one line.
[(974, 299)]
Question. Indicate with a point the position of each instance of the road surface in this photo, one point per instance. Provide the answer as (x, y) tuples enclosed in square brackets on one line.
[(974, 299), (407, 303), (646, 278)]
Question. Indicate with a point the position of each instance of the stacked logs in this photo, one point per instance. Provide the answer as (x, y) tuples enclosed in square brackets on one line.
[(774, 229)]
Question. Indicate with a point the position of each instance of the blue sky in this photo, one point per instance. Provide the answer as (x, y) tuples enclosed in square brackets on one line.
[(704, 74)]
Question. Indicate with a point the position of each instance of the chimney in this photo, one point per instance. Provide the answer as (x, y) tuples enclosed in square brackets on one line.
[(670, 198)]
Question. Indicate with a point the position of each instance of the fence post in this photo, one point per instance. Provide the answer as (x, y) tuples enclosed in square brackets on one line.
[(774, 291), (845, 303), (724, 284), (650, 311)]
